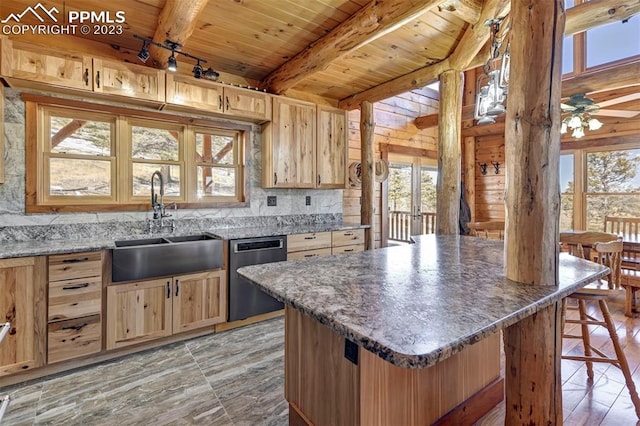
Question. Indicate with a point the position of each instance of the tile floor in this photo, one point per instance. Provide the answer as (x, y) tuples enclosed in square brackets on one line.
[(237, 378)]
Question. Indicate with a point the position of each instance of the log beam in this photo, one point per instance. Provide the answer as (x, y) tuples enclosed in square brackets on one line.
[(366, 25), (622, 76), (176, 22), (467, 10), (594, 13), (66, 131), (533, 390), (367, 126), (449, 154)]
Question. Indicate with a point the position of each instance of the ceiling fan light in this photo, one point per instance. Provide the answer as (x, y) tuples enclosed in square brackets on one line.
[(575, 122), (594, 124), (578, 132)]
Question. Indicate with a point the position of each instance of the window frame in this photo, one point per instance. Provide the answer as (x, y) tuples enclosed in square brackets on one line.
[(122, 198)]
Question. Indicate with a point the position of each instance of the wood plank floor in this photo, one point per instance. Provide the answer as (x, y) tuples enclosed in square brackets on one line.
[(237, 378)]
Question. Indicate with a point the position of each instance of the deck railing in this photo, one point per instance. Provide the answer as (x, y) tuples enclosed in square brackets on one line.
[(400, 224)]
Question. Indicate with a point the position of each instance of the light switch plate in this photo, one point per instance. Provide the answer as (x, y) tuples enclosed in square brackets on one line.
[(307, 200), (272, 200)]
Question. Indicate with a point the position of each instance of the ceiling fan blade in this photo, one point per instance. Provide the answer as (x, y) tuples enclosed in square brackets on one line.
[(616, 113), (567, 107), (620, 99)]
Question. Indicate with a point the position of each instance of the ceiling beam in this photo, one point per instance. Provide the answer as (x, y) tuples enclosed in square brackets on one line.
[(594, 13), (467, 10), (176, 22), (466, 55), (376, 19)]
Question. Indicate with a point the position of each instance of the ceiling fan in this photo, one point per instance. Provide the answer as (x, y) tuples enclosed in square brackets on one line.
[(579, 103)]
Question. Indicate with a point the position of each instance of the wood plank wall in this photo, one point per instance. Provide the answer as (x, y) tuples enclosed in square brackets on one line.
[(394, 125)]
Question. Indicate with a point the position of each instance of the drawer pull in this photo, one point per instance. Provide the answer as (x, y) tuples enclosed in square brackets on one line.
[(168, 290), (310, 255), (346, 250), (76, 327), (348, 234), (80, 259), (75, 287), (177, 287), (310, 238)]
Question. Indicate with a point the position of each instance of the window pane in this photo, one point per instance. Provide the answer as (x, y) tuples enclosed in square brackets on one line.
[(566, 173), (428, 178), (569, 3), (613, 171), (400, 187), (216, 181), (567, 55), (214, 148), (599, 206), (148, 143), (142, 179), (566, 212), (84, 137), (613, 42), (72, 177)]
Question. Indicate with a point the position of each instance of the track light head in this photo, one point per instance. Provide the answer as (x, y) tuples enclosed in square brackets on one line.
[(211, 74), (172, 63), (143, 55), (198, 71)]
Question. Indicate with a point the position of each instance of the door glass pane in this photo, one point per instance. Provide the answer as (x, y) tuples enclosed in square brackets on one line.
[(216, 181), (74, 177), (566, 192), (399, 199), (142, 173), (214, 148), (612, 42), (428, 179), (148, 143), (567, 55), (83, 137)]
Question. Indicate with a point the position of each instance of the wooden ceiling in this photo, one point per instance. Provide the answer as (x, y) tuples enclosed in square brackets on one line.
[(344, 47)]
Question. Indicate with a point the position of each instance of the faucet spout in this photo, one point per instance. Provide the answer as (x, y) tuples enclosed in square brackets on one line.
[(155, 205)]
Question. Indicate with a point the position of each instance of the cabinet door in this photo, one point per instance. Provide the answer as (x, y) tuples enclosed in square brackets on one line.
[(189, 92), (138, 312), (247, 103), (38, 64), (199, 300), (289, 145), (331, 148), (133, 81), (23, 304)]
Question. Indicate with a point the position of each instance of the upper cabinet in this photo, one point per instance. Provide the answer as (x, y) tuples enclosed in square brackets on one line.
[(41, 65), (121, 78), (218, 98), (304, 146), (288, 145), (331, 148)]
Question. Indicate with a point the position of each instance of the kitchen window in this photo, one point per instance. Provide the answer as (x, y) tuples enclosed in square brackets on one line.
[(86, 157)]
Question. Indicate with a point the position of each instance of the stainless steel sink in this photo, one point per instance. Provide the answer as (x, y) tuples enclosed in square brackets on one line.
[(160, 257)]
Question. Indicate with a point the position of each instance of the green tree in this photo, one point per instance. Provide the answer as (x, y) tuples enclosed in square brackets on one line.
[(427, 192), (399, 188)]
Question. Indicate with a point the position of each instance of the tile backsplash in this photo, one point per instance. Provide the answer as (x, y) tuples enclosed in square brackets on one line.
[(16, 225)]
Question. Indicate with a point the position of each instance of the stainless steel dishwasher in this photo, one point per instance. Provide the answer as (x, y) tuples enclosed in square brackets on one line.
[(245, 299)]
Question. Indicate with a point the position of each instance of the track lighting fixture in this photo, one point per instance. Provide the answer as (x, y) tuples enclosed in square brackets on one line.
[(172, 61)]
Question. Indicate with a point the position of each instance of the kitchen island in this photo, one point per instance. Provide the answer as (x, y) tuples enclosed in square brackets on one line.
[(403, 335)]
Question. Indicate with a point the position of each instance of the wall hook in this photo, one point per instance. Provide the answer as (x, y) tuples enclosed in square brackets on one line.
[(483, 168), (496, 167)]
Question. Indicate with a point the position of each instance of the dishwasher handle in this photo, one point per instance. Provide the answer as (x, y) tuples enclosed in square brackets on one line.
[(249, 246)]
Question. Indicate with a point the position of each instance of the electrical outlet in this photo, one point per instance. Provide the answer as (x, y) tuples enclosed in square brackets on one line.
[(272, 200), (307, 200)]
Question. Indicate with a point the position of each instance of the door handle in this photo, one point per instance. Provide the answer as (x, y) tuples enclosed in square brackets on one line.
[(177, 287), (168, 290)]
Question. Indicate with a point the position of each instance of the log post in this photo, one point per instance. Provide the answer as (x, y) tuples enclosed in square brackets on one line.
[(470, 174), (532, 148), (367, 126), (449, 153)]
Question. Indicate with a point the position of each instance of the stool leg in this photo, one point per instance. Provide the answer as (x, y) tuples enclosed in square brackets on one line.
[(586, 340), (628, 301), (622, 359)]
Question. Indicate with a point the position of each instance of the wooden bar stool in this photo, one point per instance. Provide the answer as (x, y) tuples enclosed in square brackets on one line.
[(610, 254)]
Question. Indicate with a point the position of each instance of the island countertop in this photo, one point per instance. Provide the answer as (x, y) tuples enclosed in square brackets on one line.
[(418, 304)]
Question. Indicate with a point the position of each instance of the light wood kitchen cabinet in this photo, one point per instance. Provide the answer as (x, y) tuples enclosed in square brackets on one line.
[(307, 246), (130, 80), (289, 143), (41, 65), (23, 304), (216, 97), (331, 147), (75, 306), (347, 241), (147, 310)]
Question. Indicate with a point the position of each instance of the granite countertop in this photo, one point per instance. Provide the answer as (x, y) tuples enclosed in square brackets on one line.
[(416, 305), (48, 247)]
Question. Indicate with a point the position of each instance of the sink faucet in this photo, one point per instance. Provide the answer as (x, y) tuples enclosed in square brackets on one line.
[(159, 212)]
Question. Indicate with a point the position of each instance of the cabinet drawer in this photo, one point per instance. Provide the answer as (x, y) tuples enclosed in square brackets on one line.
[(75, 298), (347, 238), (309, 254), (348, 249), (74, 338), (77, 265), (316, 240)]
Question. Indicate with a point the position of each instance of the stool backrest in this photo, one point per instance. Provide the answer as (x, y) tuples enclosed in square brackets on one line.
[(610, 254), (622, 225)]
